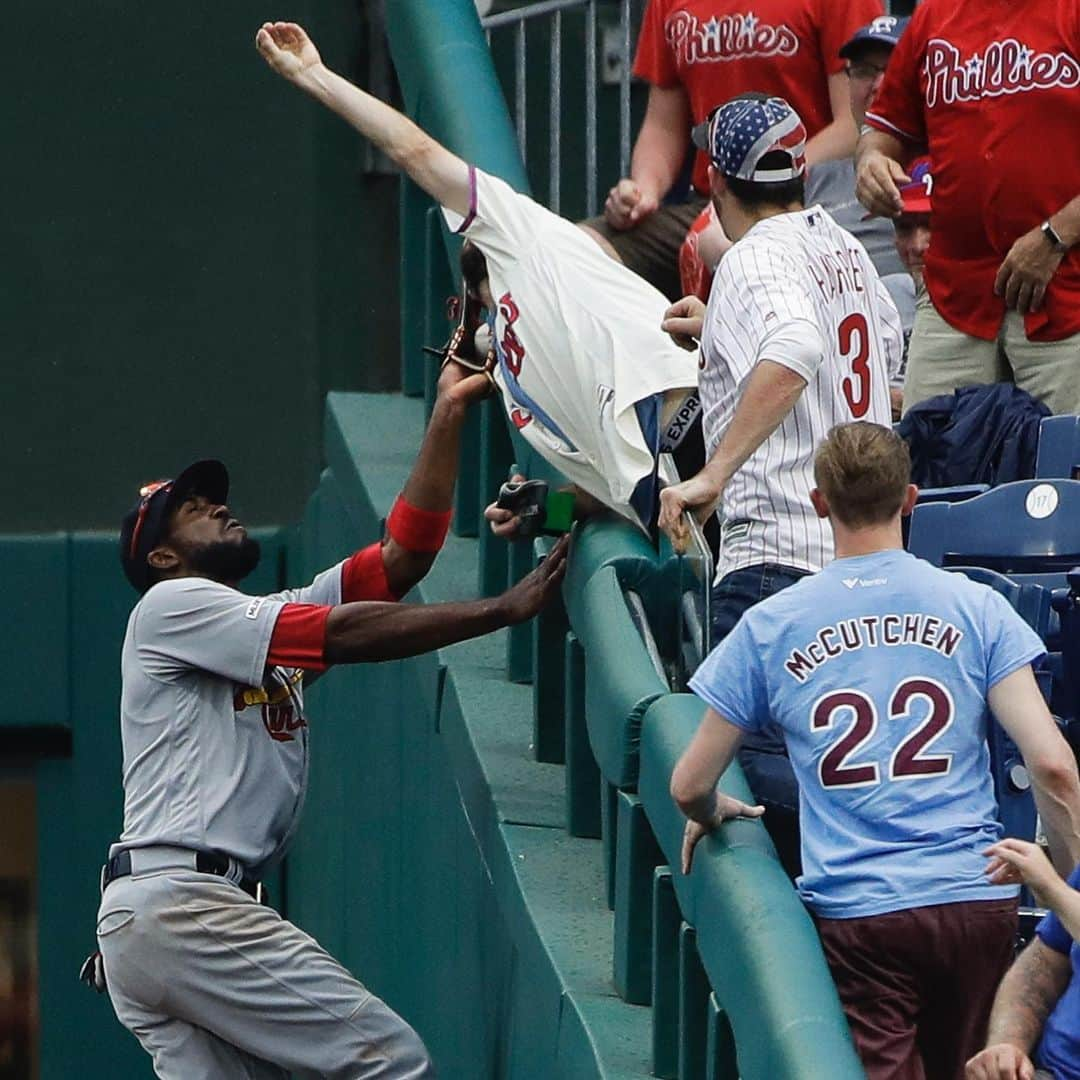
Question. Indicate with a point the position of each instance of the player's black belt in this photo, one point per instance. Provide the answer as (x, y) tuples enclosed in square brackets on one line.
[(205, 863)]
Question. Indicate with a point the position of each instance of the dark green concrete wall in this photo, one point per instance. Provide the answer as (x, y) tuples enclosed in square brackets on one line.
[(190, 256)]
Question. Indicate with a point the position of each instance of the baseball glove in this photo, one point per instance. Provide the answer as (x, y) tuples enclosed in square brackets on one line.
[(470, 343)]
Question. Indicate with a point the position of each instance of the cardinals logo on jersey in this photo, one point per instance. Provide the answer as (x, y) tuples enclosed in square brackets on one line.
[(281, 721), (280, 716)]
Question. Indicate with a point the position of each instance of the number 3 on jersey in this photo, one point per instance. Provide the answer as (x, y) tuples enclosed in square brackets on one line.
[(836, 768), (855, 349)]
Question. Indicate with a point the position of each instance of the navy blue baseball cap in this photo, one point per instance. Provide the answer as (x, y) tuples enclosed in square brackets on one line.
[(739, 133), (884, 30), (144, 524)]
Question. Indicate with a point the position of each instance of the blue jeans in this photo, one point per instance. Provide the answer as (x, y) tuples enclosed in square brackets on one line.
[(763, 757)]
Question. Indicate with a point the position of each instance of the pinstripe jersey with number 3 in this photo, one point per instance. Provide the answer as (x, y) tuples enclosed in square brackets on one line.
[(797, 271)]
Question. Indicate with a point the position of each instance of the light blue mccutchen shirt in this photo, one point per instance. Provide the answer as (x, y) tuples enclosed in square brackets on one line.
[(877, 670)]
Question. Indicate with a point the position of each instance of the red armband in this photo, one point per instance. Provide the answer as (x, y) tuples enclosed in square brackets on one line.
[(363, 577), (299, 638), (418, 530)]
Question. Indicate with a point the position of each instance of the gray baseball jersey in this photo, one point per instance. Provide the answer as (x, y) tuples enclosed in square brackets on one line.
[(215, 743), (793, 272)]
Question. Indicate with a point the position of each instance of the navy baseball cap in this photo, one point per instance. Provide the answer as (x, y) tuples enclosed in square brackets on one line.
[(143, 525), (739, 133), (884, 30)]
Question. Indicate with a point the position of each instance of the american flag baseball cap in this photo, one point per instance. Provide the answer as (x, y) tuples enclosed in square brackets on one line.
[(739, 133)]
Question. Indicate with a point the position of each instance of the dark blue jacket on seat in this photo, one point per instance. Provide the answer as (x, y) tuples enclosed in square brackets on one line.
[(979, 435)]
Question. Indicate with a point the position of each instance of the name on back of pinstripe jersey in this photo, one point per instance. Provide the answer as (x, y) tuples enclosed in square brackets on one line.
[(872, 631), (837, 272)]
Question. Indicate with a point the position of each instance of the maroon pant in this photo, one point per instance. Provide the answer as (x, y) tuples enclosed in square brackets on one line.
[(917, 985)]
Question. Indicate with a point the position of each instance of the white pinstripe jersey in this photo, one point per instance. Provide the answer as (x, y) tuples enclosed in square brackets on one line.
[(788, 271)]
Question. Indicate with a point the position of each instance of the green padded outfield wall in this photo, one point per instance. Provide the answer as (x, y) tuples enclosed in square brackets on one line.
[(190, 255)]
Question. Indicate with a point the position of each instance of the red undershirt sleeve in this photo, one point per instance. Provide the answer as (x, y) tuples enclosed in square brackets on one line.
[(363, 577), (299, 638)]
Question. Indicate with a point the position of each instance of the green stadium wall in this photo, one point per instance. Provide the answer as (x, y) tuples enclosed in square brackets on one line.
[(191, 255)]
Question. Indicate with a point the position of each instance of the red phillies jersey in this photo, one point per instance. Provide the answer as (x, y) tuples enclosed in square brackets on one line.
[(720, 48), (992, 89)]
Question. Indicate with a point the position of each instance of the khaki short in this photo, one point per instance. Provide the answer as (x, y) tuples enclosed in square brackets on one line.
[(942, 358), (652, 248)]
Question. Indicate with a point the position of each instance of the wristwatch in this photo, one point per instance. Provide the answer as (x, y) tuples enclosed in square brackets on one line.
[(1055, 241)]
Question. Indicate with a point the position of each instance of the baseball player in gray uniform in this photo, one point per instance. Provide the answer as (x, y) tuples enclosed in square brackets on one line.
[(211, 981)]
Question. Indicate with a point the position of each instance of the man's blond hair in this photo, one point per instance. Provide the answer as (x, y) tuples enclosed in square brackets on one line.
[(863, 471)]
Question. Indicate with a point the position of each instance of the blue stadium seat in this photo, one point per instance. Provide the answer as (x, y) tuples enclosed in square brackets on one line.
[(1059, 448), (1012, 785), (1030, 531), (956, 493), (1031, 601), (1029, 528)]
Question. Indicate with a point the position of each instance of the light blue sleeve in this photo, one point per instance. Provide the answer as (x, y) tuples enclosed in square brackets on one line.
[(731, 680), (1008, 642)]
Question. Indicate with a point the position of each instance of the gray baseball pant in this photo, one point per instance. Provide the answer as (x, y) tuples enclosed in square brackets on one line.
[(215, 985)]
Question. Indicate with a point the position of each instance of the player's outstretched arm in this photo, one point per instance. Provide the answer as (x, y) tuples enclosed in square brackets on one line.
[(430, 486), (1020, 709), (770, 394), (694, 780), (376, 631), (292, 54), (1027, 995)]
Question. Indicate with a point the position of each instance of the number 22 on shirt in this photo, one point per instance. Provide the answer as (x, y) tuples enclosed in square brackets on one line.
[(848, 762)]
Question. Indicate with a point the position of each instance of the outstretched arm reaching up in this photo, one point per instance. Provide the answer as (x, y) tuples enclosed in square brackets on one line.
[(292, 54)]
